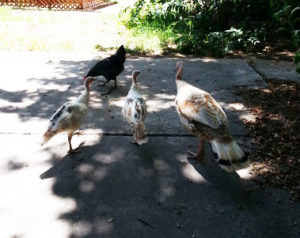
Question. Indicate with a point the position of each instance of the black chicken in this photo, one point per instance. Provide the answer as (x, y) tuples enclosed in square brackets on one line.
[(109, 68)]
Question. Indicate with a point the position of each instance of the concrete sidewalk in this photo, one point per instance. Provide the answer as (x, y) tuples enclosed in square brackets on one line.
[(116, 189)]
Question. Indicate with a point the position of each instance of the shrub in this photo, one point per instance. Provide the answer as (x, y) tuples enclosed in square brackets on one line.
[(215, 27)]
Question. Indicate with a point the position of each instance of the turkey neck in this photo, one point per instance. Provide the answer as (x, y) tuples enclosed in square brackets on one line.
[(134, 82), (179, 73), (87, 84), (85, 96)]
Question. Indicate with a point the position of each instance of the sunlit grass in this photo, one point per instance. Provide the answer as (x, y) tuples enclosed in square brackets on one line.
[(145, 39), (142, 42), (46, 30)]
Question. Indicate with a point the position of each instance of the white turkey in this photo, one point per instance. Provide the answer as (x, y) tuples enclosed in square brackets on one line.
[(134, 111), (203, 117), (69, 117)]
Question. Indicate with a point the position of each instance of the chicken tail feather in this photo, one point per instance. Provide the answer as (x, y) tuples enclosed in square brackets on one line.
[(230, 155)]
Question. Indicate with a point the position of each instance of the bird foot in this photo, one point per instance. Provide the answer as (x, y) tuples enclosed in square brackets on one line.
[(108, 92), (134, 143), (76, 150), (102, 84), (194, 156), (78, 133)]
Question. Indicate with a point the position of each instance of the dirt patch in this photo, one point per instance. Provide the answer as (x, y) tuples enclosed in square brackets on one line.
[(276, 135)]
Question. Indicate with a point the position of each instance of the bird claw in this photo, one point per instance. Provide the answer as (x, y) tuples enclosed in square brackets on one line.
[(102, 84), (194, 156), (74, 151), (78, 133), (77, 150), (109, 91), (134, 143)]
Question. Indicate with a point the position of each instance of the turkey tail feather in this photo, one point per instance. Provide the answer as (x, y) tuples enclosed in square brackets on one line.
[(140, 133), (47, 136), (230, 155)]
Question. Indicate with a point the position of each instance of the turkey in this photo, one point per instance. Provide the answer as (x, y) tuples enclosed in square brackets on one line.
[(69, 117), (134, 111), (109, 68), (203, 117)]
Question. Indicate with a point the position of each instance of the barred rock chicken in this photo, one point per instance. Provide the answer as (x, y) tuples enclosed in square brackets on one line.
[(202, 116), (109, 68), (69, 117), (135, 111)]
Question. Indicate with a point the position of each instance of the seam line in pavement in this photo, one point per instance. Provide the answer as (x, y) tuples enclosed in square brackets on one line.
[(113, 134)]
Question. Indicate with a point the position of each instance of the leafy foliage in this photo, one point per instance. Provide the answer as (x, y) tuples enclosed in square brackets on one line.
[(289, 18), (297, 62), (217, 26)]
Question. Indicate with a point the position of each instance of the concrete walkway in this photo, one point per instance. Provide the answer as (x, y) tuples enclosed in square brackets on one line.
[(116, 189)]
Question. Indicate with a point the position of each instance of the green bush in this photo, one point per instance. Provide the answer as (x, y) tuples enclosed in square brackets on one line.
[(215, 26), (297, 61), (289, 19)]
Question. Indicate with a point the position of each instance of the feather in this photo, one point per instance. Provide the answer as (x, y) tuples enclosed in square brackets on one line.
[(230, 155), (69, 116), (135, 111), (109, 67), (202, 116), (201, 107)]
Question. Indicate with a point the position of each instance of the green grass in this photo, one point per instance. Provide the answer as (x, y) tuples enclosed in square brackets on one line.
[(48, 31), (145, 39)]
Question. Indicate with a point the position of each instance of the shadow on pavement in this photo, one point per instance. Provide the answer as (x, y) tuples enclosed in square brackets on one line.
[(122, 190)]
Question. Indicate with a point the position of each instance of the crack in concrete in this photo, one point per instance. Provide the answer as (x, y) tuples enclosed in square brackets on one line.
[(254, 68), (113, 134)]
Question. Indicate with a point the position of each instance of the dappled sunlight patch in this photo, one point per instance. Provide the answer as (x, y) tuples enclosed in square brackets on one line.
[(118, 102), (165, 179), (160, 165), (245, 173), (85, 168), (99, 174), (274, 132), (146, 172), (86, 186), (57, 87), (95, 99), (102, 226), (59, 143), (248, 117), (205, 60), (166, 190), (233, 106), (110, 158), (81, 228), (26, 102), (236, 106), (158, 105), (35, 125), (192, 174), (245, 114), (24, 208), (166, 97)]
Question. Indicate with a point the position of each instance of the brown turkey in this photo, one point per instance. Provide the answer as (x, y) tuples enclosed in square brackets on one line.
[(203, 117)]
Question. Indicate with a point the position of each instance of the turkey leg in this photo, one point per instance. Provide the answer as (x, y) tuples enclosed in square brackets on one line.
[(70, 135), (112, 88), (200, 151)]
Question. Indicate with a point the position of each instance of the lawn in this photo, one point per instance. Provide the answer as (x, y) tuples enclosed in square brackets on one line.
[(70, 31)]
